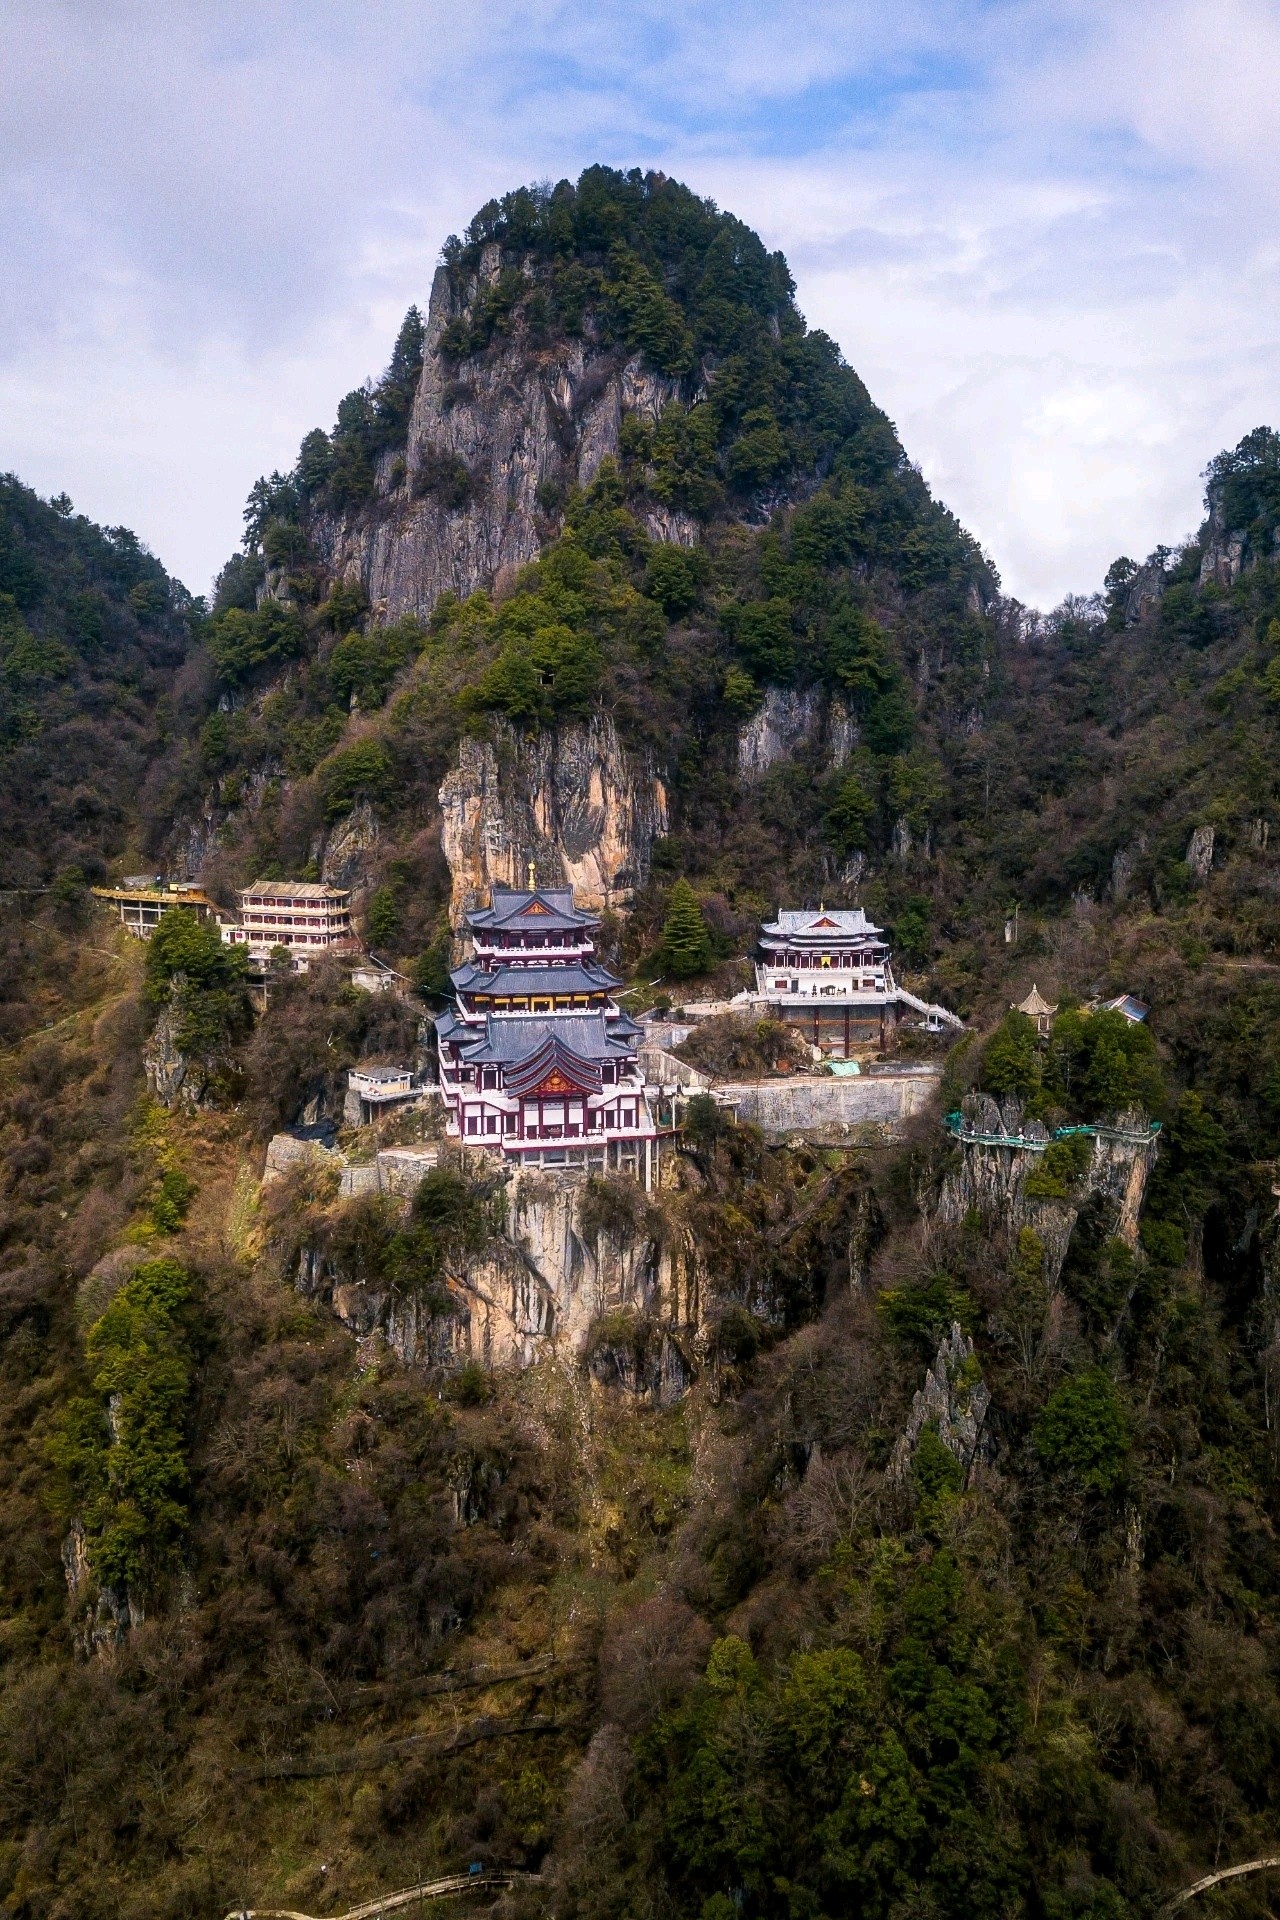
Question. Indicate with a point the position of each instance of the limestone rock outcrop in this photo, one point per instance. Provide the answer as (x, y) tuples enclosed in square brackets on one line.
[(526, 422), (1200, 852), (174, 1079), (1147, 588), (546, 1282), (1124, 863), (988, 1178), (789, 719), (954, 1399), (350, 849), (998, 1148), (1222, 559), (574, 802)]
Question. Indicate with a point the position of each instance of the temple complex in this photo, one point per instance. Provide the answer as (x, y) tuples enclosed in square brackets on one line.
[(537, 1061), (827, 974)]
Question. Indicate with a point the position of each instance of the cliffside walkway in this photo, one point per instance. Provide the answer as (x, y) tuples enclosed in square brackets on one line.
[(449, 1888), (1031, 1143), (1265, 1865)]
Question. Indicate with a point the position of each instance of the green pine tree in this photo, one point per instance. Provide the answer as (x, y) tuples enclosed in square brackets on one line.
[(686, 939), (383, 917)]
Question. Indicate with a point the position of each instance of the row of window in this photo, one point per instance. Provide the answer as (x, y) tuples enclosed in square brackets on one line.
[(275, 906), (825, 960), (867, 985), (296, 920), (293, 940), (579, 1003), (482, 1121), (513, 943), (531, 960)]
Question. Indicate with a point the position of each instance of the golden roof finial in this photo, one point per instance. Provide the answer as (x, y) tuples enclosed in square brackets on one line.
[(532, 880)]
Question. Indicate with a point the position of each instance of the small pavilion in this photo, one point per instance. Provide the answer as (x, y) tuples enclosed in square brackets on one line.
[(1037, 1010)]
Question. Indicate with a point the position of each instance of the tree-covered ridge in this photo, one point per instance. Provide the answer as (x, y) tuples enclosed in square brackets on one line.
[(824, 565), (92, 630), (1243, 490), (761, 406)]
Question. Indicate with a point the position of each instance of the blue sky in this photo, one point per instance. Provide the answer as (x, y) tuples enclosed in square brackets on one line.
[(1045, 232)]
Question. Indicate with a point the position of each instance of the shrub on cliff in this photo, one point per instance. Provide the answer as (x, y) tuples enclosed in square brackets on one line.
[(541, 676), (191, 969), (848, 818), (1062, 1163), (243, 644), (365, 664), (671, 578), (119, 1450), (184, 944), (1100, 1063), (362, 771), (1011, 1059), (431, 969), (1083, 1432), (735, 1044)]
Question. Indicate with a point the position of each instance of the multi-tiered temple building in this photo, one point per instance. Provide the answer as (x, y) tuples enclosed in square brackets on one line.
[(827, 974), (537, 1061)]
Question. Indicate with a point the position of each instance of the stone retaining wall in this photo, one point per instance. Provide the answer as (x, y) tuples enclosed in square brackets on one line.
[(814, 1105)]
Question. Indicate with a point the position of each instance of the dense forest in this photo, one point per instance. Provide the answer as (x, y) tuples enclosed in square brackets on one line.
[(284, 1618)]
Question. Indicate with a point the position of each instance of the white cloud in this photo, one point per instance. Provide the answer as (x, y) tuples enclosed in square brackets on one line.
[(1044, 231)]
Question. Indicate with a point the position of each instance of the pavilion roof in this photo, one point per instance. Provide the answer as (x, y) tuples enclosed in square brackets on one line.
[(506, 1042), (295, 890), (1035, 1004), (822, 923), (524, 910), (491, 983)]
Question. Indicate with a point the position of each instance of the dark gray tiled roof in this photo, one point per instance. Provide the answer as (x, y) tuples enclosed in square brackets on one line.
[(509, 909), (502, 1041), (524, 981), (815, 922)]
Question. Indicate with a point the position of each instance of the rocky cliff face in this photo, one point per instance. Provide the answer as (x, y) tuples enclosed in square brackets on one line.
[(790, 719), (1229, 551), (574, 802), (549, 1281), (990, 1178), (1223, 558), (1147, 588), (174, 1080), (349, 850), (953, 1400), (524, 423)]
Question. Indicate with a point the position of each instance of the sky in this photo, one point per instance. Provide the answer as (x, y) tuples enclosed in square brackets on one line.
[(1045, 232)]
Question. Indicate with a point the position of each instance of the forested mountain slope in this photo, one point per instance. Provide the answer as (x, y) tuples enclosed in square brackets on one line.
[(721, 530), (288, 1619), (98, 671)]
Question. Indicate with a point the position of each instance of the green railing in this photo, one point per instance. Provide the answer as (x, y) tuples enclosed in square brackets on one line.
[(954, 1124)]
